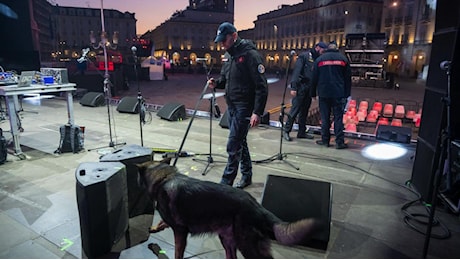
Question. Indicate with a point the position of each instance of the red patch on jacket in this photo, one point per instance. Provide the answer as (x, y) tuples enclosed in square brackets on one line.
[(241, 59), (332, 63)]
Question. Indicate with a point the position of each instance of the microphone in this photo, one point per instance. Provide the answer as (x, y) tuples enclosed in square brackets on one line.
[(83, 57), (445, 65), (134, 49)]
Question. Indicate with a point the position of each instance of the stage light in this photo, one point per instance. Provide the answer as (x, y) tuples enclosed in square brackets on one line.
[(384, 151)]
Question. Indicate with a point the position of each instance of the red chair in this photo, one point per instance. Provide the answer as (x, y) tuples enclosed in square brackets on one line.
[(388, 110), (372, 116), (396, 122), (377, 107), (400, 111), (363, 105), (351, 128)]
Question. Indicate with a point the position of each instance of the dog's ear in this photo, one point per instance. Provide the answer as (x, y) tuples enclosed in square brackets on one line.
[(143, 166), (166, 160)]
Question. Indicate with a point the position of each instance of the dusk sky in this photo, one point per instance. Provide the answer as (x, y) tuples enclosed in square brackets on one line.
[(151, 13)]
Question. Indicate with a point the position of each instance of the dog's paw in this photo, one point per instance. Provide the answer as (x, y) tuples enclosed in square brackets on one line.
[(161, 226)]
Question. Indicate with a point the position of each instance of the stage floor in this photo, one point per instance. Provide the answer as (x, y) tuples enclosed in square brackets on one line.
[(38, 207)]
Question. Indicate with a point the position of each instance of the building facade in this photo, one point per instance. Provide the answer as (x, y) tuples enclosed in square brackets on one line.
[(60, 33), (189, 34), (298, 27), (409, 25)]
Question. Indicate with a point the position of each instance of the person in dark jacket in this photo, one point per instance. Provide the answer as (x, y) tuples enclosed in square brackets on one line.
[(246, 90), (300, 91), (332, 81)]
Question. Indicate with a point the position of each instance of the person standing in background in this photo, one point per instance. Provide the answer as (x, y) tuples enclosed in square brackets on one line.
[(332, 81), (246, 91), (300, 91)]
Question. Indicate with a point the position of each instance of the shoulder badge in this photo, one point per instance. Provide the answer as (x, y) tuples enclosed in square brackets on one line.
[(261, 69)]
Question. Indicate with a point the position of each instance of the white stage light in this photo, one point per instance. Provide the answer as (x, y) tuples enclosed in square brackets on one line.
[(384, 151)]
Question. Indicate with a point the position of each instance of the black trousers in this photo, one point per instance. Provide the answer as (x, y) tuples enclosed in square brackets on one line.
[(300, 106)]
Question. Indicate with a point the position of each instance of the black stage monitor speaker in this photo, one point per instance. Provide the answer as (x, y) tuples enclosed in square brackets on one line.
[(172, 112), (128, 105), (293, 199), (397, 134), (93, 99), (102, 200), (139, 202), (224, 120)]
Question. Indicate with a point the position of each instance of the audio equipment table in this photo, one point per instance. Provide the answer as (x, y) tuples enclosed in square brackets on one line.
[(11, 93)]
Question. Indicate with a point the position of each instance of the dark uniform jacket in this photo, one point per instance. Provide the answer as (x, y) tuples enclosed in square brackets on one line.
[(243, 76), (302, 73), (332, 75)]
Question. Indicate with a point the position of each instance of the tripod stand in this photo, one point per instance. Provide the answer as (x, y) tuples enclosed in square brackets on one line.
[(282, 156), (213, 110)]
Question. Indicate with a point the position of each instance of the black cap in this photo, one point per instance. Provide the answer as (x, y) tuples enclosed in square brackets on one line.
[(223, 30)]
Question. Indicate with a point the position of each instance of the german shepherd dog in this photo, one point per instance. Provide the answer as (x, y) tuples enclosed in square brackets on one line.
[(189, 205)]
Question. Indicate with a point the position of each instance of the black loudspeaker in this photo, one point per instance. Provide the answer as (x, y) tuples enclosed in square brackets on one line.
[(293, 199), (93, 99), (444, 49), (138, 200), (102, 199), (172, 112), (397, 134), (224, 120), (128, 105)]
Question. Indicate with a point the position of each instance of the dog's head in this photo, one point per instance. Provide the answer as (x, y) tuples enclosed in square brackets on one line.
[(153, 173)]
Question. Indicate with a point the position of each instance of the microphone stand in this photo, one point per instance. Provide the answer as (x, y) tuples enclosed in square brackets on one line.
[(282, 156), (140, 99), (213, 111), (443, 163), (107, 85)]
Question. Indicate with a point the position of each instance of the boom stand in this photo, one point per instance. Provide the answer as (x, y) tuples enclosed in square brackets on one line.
[(107, 84), (212, 109), (281, 156), (443, 163)]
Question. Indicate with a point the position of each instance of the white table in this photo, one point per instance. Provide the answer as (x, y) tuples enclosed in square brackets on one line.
[(11, 93)]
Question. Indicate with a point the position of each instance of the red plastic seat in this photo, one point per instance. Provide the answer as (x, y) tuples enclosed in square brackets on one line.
[(400, 111), (388, 110), (377, 107), (396, 122)]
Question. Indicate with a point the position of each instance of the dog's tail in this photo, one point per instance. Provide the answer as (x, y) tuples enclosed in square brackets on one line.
[(295, 232)]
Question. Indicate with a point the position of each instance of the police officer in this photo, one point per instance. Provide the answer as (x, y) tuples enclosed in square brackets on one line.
[(300, 91), (243, 78), (332, 79)]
